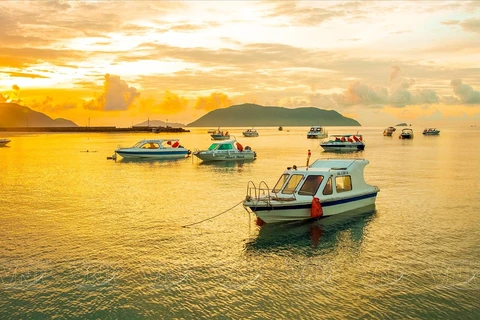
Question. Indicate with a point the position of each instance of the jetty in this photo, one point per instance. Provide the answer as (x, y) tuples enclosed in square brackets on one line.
[(106, 129)]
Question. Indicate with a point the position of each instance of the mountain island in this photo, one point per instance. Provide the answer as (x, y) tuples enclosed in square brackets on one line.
[(254, 115)]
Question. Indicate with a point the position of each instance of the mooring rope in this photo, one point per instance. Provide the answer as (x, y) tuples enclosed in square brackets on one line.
[(191, 224)]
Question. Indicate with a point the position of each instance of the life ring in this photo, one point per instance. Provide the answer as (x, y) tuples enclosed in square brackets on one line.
[(316, 210)]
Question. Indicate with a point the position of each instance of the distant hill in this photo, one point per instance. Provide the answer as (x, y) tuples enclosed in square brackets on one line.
[(159, 123), (15, 115), (253, 115)]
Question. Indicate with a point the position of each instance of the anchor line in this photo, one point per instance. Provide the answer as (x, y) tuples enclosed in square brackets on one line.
[(191, 224)]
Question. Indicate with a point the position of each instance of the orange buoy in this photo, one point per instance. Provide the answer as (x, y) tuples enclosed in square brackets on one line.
[(316, 210)]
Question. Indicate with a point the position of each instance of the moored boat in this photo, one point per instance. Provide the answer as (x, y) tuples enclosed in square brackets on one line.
[(389, 131), (226, 150), (325, 188), (4, 142), (344, 142), (154, 149), (220, 135), (431, 132), (407, 133), (317, 132), (250, 133)]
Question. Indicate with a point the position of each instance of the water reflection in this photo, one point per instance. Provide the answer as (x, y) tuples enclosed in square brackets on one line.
[(226, 164), (320, 234), (148, 160)]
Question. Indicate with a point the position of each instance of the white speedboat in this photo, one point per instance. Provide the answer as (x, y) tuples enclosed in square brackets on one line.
[(317, 132), (220, 135), (4, 142), (406, 134), (431, 132), (325, 188), (154, 149), (250, 133), (226, 150), (344, 142)]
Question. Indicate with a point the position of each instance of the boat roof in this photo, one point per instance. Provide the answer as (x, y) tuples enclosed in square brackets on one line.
[(158, 140), (229, 141), (334, 164)]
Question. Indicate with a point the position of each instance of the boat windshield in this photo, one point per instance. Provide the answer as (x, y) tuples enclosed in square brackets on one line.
[(221, 146), (138, 144), (311, 184), (280, 183), (292, 183)]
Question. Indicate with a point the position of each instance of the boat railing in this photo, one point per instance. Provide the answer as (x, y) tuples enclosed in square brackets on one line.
[(263, 192)]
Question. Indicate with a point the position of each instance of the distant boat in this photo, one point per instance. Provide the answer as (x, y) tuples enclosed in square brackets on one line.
[(250, 133), (431, 132), (344, 142), (389, 131), (317, 132), (280, 128), (220, 135), (406, 134), (4, 142)]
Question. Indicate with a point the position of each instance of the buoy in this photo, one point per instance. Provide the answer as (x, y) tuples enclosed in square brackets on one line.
[(316, 210)]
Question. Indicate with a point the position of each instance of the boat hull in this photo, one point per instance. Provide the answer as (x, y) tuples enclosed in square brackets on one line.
[(225, 156), (317, 136), (155, 154), (219, 137), (276, 212), (245, 134), (343, 147)]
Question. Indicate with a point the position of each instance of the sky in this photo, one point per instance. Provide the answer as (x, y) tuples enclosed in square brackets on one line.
[(123, 62)]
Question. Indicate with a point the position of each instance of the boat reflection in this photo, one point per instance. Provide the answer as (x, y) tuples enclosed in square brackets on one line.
[(226, 164), (149, 161), (322, 233)]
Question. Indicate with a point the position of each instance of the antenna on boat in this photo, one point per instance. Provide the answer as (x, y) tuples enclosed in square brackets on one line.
[(308, 157)]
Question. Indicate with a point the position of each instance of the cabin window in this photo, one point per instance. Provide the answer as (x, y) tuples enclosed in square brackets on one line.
[(292, 183), (150, 145), (328, 187), (225, 147), (280, 183), (343, 183), (311, 184)]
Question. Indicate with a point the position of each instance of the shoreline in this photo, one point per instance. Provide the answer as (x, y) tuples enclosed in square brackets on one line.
[(93, 129)]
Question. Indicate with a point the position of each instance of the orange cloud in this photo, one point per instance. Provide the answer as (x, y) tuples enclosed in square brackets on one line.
[(172, 103), (117, 95), (216, 100)]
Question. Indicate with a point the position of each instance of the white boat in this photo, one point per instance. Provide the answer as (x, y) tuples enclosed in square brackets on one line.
[(406, 134), (389, 131), (317, 132), (250, 133), (154, 149), (325, 188), (344, 142), (220, 135), (226, 150), (431, 132), (4, 142)]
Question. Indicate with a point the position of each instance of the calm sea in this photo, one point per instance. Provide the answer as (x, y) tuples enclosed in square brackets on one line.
[(86, 237)]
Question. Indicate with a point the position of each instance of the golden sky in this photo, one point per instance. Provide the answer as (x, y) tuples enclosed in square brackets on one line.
[(121, 62)]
